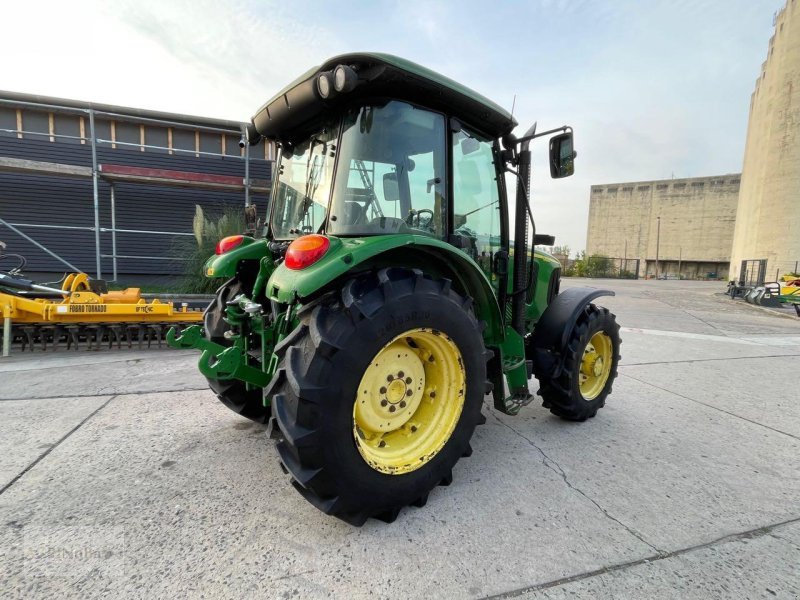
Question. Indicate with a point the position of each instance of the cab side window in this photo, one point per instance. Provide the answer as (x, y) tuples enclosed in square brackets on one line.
[(476, 202)]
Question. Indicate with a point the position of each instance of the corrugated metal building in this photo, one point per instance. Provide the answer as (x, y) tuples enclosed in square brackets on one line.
[(152, 169)]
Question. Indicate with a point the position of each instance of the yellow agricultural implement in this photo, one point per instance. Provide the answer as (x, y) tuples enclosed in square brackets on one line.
[(83, 312), (790, 291)]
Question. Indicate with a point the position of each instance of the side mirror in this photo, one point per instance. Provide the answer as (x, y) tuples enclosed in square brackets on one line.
[(562, 156), (391, 189)]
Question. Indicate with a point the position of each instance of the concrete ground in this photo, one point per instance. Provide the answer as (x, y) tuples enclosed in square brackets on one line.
[(121, 475)]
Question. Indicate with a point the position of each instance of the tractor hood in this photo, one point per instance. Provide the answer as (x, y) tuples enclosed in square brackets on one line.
[(295, 109)]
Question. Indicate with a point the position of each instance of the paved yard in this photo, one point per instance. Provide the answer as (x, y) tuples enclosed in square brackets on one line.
[(120, 474)]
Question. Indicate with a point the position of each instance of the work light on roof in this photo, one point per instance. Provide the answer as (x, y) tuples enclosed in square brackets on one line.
[(344, 78), (325, 84)]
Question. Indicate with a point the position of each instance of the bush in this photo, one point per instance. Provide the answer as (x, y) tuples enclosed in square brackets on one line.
[(599, 266), (196, 251), (591, 266)]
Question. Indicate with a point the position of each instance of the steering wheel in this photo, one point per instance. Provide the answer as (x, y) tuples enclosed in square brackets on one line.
[(417, 214)]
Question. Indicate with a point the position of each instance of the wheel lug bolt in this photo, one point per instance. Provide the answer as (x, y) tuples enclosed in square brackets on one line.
[(389, 378), (383, 390), (384, 402), (408, 380), (402, 404), (409, 392), (400, 374), (392, 408)]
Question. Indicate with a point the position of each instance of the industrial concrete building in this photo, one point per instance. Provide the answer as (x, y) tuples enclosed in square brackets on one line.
[(672, 226), (768, 223)]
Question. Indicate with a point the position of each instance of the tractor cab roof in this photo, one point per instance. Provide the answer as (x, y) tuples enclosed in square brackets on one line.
[(298, 107)]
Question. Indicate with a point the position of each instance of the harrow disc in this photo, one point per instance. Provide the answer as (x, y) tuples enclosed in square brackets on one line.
[(90, 336)]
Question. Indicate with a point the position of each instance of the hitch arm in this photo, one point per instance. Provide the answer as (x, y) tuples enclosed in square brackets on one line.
[(216, 360)]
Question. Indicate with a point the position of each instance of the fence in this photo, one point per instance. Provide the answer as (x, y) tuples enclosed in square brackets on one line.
[(784, 267), (754, 272)]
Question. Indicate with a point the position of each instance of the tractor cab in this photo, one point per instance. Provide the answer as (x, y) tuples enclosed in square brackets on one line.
[(373, 145), (382, 169)]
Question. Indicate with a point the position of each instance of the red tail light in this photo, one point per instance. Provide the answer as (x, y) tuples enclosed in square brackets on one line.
[(305, 251), (227, 244)]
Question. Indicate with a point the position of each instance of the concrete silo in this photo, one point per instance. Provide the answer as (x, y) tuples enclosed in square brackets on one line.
[(768, 214)]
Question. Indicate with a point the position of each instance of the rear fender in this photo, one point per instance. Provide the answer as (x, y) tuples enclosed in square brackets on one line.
[(227, 265), (349, 255), (553, 330)]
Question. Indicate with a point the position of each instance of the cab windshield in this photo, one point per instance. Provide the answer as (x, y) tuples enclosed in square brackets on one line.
[(390, 174), (305, 175)]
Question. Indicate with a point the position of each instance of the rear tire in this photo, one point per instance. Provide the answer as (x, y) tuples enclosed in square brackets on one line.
[(324, 363), (231, 392), (564, 395)]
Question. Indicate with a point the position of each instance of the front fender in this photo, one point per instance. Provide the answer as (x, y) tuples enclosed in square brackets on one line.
[(554, 328), (226, 265), (411, 251)]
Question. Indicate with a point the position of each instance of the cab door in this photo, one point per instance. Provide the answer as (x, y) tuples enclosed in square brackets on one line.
[(477, 219)]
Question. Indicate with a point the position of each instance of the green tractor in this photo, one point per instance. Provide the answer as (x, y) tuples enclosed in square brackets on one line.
[(392, 291)]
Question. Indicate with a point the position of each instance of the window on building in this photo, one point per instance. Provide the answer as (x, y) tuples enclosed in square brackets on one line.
[(232, 144), (210, 142), (102, 130), (183, 139), (8, 121), (36, 124), (156, 139), (67, 125), (128, 135)]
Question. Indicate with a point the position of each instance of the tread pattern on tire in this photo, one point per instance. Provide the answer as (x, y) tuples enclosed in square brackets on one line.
[(302, 395), (559, 393)]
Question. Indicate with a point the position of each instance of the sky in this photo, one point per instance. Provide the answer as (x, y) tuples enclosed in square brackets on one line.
[(653, 88)]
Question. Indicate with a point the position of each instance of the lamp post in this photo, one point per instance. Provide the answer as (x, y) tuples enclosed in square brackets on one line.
[(658, 241)]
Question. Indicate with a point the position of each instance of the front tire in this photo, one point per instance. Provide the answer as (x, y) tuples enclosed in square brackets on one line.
[(233, 393), (590, 367), (360, 442)]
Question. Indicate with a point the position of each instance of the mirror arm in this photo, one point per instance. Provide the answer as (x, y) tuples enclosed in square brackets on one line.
[(528, 138)]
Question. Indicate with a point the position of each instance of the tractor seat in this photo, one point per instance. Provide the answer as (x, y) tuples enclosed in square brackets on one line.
[(353, 213)]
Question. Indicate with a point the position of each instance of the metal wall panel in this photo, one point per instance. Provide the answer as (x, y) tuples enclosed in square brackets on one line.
[(26, 198)]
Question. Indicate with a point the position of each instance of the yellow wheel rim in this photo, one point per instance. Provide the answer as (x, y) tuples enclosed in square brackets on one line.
[(409, 401), (596, 365)]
